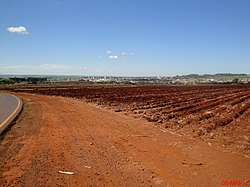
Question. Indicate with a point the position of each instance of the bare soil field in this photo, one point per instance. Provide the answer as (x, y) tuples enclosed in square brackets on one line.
[(105, 148), (214, 113), (166, 136)]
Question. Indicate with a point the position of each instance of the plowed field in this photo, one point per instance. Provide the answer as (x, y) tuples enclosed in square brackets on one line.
[(214, 113)]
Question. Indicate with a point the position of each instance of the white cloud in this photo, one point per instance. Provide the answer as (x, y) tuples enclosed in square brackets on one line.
[(108, 52), (113, 56), (19, 30), (84, 68), (42, 69), (14, 67)]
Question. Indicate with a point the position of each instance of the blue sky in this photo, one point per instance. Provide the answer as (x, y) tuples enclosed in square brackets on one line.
[(124, 37)]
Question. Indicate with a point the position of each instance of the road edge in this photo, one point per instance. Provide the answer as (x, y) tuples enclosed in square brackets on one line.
[(5, 124)]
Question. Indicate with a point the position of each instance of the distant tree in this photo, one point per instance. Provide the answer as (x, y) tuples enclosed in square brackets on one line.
[(235, 81), (6, 81)]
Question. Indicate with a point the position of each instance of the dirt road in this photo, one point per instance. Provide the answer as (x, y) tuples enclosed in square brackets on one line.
[(104, 148)]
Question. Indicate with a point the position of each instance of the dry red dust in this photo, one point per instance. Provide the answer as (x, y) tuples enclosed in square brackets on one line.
[(105, 148)]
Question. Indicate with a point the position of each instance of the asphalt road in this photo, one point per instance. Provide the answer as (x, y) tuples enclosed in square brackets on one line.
[(9, 108)]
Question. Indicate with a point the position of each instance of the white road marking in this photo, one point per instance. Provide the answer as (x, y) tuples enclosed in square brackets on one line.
[(10, 116)]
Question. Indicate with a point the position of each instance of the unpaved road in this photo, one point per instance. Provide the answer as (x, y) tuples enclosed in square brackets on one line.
[(104, 148)]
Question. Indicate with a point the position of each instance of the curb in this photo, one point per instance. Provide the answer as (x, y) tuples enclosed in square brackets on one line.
[(13, 116)]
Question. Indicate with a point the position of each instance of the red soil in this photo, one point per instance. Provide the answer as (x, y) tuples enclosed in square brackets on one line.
[(105, 148), (214, 113)]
